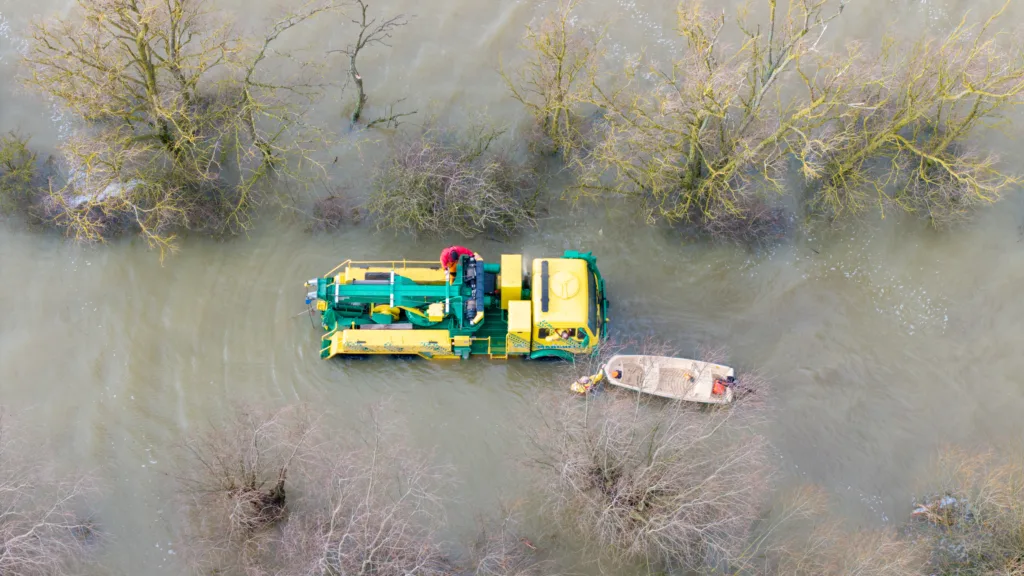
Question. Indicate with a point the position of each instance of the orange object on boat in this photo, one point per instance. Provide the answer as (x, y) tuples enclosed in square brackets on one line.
[(719, 388)]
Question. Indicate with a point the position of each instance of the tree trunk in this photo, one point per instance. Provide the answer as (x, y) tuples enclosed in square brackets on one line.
[(361, 99)]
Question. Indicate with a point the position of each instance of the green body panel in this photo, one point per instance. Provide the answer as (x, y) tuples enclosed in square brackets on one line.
[(552, 353), (350, 305)]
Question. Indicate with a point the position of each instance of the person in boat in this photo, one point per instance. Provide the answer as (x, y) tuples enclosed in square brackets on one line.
[(450, 258), (721, 385), (587, 383)]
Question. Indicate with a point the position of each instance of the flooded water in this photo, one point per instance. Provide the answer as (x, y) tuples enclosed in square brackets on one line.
[(883, 343)]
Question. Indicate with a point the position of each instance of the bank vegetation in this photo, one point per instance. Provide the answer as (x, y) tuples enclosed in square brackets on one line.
[(627, 484), (182, 122)]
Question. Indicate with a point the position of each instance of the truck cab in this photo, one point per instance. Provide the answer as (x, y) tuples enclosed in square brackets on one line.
[(567, 305)]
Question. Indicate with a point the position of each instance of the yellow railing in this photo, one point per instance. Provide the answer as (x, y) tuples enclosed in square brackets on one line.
[(490, 352), (392, 263)]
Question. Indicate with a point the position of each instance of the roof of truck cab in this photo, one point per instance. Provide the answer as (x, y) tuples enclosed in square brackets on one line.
[(568, 292)]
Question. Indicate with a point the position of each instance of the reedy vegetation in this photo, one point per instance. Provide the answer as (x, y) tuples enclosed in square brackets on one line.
[(973, 518)]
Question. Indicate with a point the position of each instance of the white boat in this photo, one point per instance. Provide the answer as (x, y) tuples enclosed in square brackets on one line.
[(677, 378)]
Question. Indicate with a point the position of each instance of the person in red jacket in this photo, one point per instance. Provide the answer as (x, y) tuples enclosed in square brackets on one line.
[(450, 257)]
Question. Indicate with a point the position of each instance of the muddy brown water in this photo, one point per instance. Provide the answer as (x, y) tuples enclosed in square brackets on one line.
[(884, 343)]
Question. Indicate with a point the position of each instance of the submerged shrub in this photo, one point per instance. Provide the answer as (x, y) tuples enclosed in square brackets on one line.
[(17, 174), (657, 483), (754, 221), (329, 213), (441, 181)]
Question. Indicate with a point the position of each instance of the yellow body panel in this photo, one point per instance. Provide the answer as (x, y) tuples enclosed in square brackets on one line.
[(412, 311), (428, 343), (511, 283), (567, 293), (520, 317), (520, 324), (385, 309), (419, 274), (435, 312)]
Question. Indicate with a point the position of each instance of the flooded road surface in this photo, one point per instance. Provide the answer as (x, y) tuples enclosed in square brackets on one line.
[(883, 343)]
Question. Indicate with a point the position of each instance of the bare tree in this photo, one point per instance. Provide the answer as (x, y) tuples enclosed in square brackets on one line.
[(707, 137), (697, 140), (371, 32), (42, 530), (181, 128), (562, 58), (273, 493), (895, 126), (372, 508), (233, 482)]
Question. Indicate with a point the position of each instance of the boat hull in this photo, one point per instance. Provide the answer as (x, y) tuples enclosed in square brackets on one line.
[(675, 378)]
